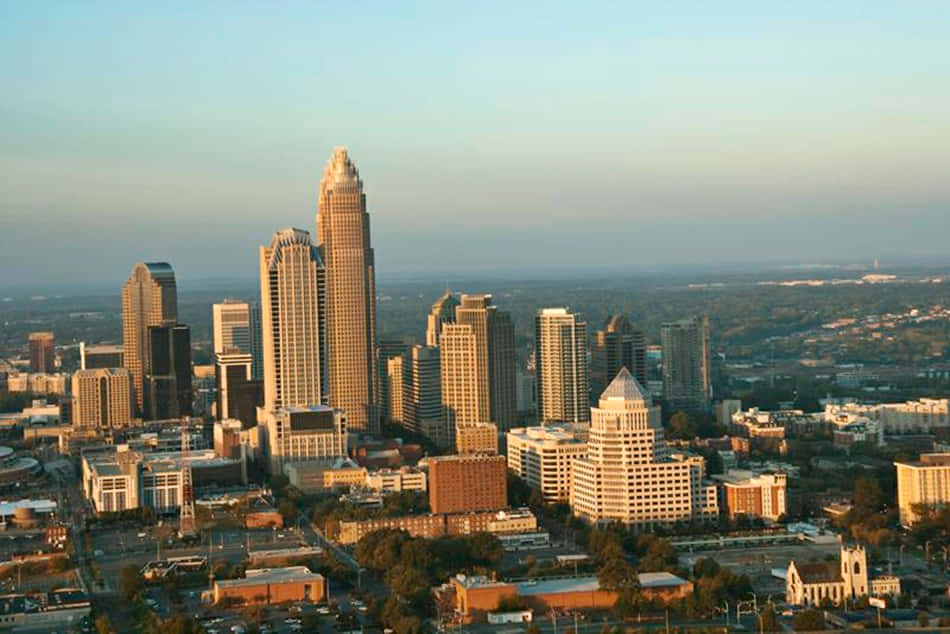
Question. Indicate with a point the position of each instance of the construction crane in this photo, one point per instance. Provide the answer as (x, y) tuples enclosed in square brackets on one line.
[(187, 526)]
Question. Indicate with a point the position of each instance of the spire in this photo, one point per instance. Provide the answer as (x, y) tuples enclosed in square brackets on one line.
[(340, 169), (625, 387)]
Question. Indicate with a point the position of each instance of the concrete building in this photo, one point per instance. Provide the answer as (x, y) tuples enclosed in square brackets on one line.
[(754, 423), (149, 298), (463, 382), (344, 238), (628, 474), (433, 526), (809, 584), (543, 457), (753, 495), (561, 361), (495, 356), (396, 480), (301, 434), (925, 482), (231, 327), (168, 374), (467, 483), (443, 312), (395, 389), (422, 407), (921, 416), (686, 364), (94, 357), (237, 394), (102, 399), (618, 345), (42, 352), (266, 586), (471, 438), (293, 321)]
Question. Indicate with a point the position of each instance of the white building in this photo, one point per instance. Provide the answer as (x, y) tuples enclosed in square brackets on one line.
[(395, 480), (300, 434), (925, 482), (542, 457), (814, 583), (628, 474), (561, 357)]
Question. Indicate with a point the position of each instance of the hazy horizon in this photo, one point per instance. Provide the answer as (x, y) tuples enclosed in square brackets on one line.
[(508, 138)]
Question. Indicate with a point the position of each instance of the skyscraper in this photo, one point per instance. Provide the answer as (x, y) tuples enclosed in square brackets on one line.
[(168, 377), (423, 404), (618, 345), (396, 388), (628, 474), (42, 353), (443, 312), (293, 318), (494, 337), (464, 380), (238, 394), (231, 326), (102, 398), (561, 357), (686, 370), (149, 298), (344, 238), (385, 351)]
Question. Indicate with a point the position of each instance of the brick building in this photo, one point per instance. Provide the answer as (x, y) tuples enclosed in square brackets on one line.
[(467, 483), (272, 585), (432, 526)]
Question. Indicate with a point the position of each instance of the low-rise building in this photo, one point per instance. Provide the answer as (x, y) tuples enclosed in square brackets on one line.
[(810, 584), (754, 423), (431, 526), (476, 438), (395, 480), (302, 434), (753, 494), (60, 610), (265, 586), (542, 456)]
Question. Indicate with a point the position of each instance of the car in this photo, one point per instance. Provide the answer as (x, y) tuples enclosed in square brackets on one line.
[(142, 535)]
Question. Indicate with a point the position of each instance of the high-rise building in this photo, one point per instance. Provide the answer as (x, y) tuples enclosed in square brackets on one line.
[(42, 354), (423, 401), (92, 357), (344, 237), (149, 298), (168, 381), (464, 380), (304, 434), (543, 457), (257, 343), (231, 326), (923, 483), (618, 345), (102, 398), (561, 358), (396, 388), (458, 484), (443, 312), (628, 474), (495, 360), (686, 375), (293, 318), (385, 351), (238, 394), (476, 438)]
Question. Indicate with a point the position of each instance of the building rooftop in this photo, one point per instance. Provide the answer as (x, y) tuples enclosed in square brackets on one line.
[(257, 576), (625, 387)]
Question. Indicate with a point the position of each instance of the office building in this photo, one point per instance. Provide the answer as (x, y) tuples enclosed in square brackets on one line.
[(922, 483), (920, 416), (464, 380), (344, 238), (293, 320), (257, 343), (102, 398), (422, 407), (301, 434), (561, 361), (618, 345), (94, 357), (231, 326), (467, 483), (628, 474), (751, 494), (443, 312), (237, 395), (476, 438), (686, 369), (385, 351), (149, 298), (42, 352), (543, 457), (270, 586), (168, 380), (395, 385)]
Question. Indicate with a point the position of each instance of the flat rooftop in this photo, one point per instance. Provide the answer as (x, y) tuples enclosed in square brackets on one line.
[(257, 576)]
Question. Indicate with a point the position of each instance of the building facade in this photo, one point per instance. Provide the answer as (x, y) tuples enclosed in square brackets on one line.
[(42, 352), (461, 483), (102, 399), (476, 438), (618, 345), (811, 584), (443, 312), (293, 321), (628, 474), (168, 378), (543, 457), (302, 434), (561, 361), (754, 495), (93, 357), (686, 364), (149, 298), (231, 327), (925, 482), (344, 238), (237, 395)]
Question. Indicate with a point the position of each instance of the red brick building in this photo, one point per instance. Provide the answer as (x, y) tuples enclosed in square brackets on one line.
[(267, 586), (467, 483)]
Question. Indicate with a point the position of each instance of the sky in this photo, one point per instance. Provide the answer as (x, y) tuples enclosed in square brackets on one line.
[(510, 138)]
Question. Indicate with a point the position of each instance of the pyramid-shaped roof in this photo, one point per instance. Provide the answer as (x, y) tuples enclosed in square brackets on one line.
[(625, 387)]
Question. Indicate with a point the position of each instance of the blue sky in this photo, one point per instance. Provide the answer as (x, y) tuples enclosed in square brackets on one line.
[(492, 137)]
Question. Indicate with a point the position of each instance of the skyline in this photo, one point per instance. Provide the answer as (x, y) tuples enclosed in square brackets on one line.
[(659, 138)]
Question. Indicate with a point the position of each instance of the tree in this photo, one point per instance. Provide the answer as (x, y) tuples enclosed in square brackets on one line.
[(130, 582), (485, 549), (868, 496), (288, 510), (103, 624), (618, 575), (809, 621), (681, 426)]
